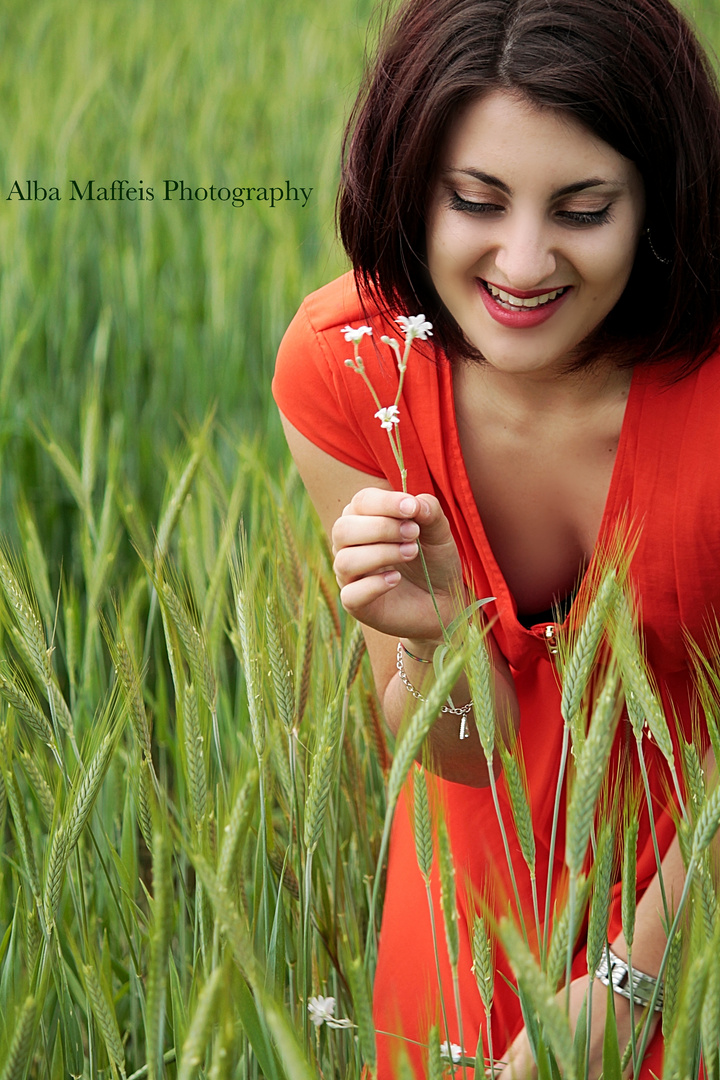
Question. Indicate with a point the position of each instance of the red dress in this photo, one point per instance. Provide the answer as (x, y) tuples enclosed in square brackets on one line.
[(666, 478)]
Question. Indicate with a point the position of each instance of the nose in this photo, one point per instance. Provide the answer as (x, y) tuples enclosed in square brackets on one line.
[(525, 256)]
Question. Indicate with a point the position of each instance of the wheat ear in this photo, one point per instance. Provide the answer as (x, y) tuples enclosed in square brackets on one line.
[(21, 1045), (104, 1014), (201, 1025)]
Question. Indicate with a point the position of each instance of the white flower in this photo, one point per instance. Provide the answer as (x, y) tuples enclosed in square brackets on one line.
[(414, 326), (454, 1054), (321, 1009), (352, 334), (388, 416), (389, 341)]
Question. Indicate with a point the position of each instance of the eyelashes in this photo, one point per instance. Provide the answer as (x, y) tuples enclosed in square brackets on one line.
[(569, 217), (468, 207), (586, 217)]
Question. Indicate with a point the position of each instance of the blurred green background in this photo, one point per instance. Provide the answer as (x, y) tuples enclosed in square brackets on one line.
[(158, 311)]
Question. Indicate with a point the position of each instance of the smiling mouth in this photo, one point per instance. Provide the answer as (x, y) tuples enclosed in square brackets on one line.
[(515, 303)]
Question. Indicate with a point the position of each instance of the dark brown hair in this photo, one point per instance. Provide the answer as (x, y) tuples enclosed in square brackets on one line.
[(632, 71)]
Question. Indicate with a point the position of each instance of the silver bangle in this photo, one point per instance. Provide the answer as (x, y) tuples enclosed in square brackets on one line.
[(621, 977), (462, 712)]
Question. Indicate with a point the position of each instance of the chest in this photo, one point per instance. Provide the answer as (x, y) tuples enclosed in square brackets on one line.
[(541, 484)]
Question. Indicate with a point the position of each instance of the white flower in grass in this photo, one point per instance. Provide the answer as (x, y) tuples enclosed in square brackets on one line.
[(388, 416), (415, 326), (356, 334), (454, 1054), (321, 1009)]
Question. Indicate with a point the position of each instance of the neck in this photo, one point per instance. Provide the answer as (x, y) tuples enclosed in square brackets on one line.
[(540, 394)]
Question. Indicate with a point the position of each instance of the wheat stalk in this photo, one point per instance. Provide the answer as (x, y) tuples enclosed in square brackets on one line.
[(193, 643), (178, 496), (131, 686), (562, 940), (643, 703), (104, 1014), (159, 953), (710, 1015), (306, 641), (541, 994), (27, 707), (423, 826), (23, 607), (601, 895), (22, 830), (39, 784), (693, 777), (435, 1070), (480, 679), (580, 662), (201, 1025), (87, 791), (362, 1010), (448, 900), (483, 963), (248, 656), (193, 757), (679, 1048), (281, 675), (671, 992), (21, 1045), (517, 790), (629, 878), (591, 772), (54, 874), (707, 824), (324, 763)]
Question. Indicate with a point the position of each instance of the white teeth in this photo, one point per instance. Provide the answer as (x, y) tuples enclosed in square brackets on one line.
[(519, 302)]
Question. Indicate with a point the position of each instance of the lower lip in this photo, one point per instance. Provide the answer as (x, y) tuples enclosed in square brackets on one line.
[(520, 318)]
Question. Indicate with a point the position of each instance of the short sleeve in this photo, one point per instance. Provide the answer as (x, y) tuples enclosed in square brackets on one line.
[(313, 390)]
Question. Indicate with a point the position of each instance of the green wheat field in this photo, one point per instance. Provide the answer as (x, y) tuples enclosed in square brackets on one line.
[(195, 785)]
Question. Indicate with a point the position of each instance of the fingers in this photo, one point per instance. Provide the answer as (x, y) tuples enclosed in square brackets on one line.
[(349, 531), (357, 596), (370, 558)]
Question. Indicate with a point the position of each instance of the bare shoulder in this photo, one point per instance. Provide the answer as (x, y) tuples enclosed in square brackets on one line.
[(330, 483)]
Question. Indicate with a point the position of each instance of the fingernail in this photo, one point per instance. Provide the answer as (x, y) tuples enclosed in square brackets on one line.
[(408, 506), (408, 551), (409, 530), (392, 577)]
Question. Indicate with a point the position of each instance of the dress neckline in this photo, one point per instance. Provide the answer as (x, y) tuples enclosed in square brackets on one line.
[(505, 601)]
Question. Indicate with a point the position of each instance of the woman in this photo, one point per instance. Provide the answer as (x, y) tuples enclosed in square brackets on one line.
[(540, 178)]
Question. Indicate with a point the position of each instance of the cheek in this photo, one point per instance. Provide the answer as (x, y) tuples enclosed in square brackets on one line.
[(609, 268)]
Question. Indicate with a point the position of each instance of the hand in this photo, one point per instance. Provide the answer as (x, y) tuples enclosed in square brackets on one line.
[(520, 1064), (381, 579)]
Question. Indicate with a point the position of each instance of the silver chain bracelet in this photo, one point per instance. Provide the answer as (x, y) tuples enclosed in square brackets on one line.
[(621, 977), (462, 712)]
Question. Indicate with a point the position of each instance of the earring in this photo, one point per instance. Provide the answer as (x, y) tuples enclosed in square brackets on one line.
[(660, 259)]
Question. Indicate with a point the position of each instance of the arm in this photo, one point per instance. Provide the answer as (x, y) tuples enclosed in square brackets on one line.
[(374, 532)]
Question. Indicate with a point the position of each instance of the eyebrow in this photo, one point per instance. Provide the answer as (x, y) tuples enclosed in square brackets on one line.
[(568, 189)]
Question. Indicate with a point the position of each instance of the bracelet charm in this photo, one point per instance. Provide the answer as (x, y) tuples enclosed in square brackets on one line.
[(462, 712), (612, 971)]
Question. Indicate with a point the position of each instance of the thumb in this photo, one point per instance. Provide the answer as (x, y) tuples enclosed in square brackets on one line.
[(434, 526)]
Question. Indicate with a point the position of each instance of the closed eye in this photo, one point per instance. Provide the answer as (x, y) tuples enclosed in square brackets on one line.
[(586, 217), (468, 206)]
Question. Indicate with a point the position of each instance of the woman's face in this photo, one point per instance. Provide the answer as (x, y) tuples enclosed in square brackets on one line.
[(532, 231)]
